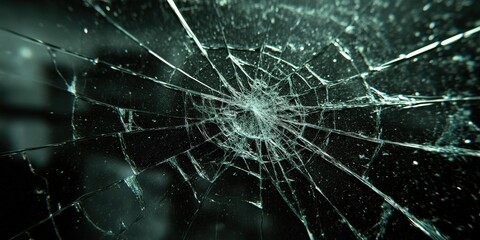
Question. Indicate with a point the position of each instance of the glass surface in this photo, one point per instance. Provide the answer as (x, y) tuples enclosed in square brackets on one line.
[(322, 119)]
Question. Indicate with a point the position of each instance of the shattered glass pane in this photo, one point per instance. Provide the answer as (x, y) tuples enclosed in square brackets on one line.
[(190, 119)]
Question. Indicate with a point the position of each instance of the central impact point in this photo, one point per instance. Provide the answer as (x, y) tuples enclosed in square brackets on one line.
[(254, 117), (256, 120)]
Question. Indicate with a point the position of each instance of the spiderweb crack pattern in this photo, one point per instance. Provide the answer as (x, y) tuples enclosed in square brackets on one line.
[(233, 119)]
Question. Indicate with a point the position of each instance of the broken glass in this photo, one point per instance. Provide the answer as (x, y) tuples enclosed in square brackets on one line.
[(231, 119)]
